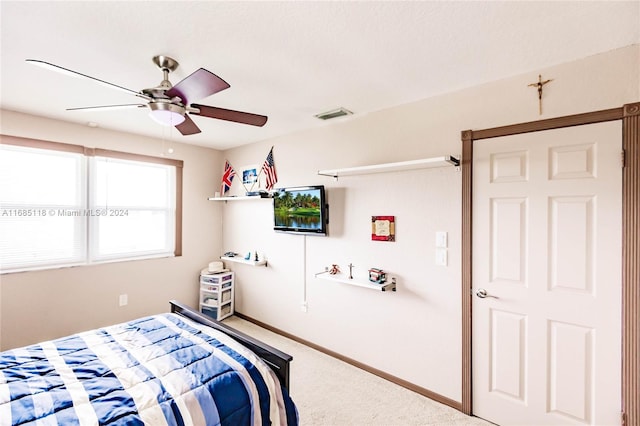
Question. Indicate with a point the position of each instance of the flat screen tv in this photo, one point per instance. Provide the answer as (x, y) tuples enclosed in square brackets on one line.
[(301, 210)]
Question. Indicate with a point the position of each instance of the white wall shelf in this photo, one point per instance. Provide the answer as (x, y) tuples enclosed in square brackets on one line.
[(238, 198), (240, 259), (425, 163), (342, 278)]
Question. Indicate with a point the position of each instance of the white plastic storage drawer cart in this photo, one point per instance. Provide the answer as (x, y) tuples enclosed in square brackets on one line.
[(216, 295)]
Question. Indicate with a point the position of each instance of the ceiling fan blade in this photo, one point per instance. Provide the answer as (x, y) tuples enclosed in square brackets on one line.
[(107, 107), (230, 115), (199, 85), (66, 71), (188, 127)]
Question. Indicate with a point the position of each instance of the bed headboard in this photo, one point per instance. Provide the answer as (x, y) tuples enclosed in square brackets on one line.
[(274, 358)]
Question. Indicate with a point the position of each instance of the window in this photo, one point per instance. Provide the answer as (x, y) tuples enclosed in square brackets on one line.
[(65, 205), (35, 185), (139, 202)]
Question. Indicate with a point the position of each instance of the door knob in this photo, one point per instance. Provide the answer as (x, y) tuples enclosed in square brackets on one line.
[(482, 294)]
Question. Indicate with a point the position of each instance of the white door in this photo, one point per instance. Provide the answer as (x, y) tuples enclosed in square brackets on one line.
[(547, 255)]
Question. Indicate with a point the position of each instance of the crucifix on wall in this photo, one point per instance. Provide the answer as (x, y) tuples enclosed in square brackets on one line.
[(539, 86)]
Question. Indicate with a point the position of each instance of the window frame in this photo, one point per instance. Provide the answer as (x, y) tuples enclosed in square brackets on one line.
[(96, 221), (91, 152)]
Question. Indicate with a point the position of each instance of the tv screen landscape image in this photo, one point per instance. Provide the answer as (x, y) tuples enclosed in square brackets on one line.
[(300, 210)]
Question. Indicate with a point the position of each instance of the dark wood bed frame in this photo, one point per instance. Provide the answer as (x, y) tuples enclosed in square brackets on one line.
[(277, 360)]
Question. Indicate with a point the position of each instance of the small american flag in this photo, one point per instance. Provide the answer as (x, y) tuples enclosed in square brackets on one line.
[(227, 177), (269, 169)]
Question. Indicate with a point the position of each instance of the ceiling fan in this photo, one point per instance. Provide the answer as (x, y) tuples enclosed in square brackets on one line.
[(170, 104)]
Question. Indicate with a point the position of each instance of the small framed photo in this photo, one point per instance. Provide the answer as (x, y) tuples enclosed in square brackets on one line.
[(383, 228), (249, 175)]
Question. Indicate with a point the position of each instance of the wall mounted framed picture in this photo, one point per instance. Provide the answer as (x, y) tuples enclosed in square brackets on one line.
[(383, 228)]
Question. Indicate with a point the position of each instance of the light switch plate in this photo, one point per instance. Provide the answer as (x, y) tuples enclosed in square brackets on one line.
[(441, 239), (441, 257)]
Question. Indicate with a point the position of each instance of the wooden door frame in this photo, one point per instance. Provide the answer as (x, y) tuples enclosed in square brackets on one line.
[(630, 116)]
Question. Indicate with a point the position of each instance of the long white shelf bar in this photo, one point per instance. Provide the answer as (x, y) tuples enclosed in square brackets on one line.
[(425, 163)]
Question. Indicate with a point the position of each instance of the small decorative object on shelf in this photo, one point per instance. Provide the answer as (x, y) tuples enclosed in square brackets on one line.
[(377, 276), (249, 177), (260, 193), (335, 269), (350, 271), (248, 256)]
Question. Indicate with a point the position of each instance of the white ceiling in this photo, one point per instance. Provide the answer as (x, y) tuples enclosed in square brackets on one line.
[(288, 60)]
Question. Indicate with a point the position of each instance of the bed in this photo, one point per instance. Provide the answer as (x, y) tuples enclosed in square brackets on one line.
[(177, 368)]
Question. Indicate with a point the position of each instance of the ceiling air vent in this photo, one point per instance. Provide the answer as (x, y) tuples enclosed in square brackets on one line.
[(340, 112)]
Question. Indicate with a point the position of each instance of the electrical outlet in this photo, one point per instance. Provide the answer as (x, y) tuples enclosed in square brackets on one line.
[(123, 300)]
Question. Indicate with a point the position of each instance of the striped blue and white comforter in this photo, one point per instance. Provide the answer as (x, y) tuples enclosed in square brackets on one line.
[(159, 370)]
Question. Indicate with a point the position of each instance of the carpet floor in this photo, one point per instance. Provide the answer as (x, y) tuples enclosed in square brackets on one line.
[(330, 392)]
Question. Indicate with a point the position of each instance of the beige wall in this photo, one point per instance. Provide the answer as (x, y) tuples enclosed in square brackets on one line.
[(414, 334), (41, 305)]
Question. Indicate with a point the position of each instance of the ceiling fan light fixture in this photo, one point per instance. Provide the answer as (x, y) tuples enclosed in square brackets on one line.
[(169, 104), (166, 114)]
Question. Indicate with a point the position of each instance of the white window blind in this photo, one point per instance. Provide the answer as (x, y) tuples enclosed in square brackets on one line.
[(66, 205), (37, 189), (135, 209)]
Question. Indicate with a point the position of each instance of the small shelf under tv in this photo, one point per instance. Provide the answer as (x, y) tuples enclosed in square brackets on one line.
[(425, 163), (359, 282)]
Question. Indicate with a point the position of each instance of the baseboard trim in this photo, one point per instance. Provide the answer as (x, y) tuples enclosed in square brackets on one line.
[(393, 379)]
